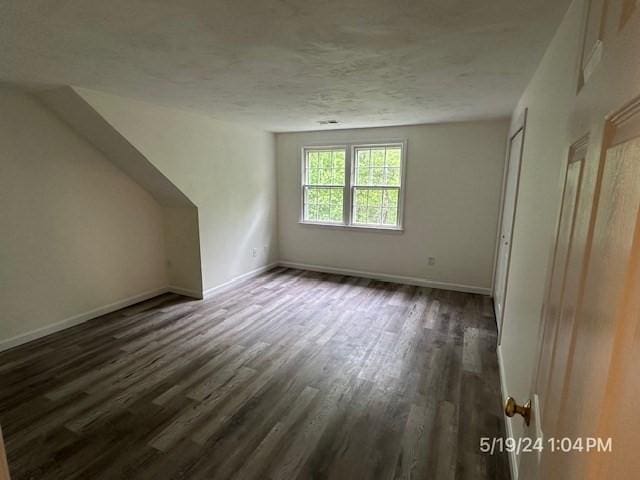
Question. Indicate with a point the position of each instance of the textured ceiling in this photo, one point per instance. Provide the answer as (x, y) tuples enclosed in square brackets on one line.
[(285, 65)]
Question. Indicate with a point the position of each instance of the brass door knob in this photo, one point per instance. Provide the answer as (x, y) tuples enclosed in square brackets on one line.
[(511, 408)]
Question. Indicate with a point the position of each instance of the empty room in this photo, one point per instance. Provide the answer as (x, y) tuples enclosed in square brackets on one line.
[(286, 239)]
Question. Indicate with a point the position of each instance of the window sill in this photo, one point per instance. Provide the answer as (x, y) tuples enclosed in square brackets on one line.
[(361, 228)]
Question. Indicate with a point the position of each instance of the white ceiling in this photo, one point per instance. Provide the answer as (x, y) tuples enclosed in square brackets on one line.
[(284, 65)]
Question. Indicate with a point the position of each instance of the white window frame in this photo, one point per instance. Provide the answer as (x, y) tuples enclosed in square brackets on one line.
[(349, 186)]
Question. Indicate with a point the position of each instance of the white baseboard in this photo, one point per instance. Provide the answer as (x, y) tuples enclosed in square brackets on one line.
[(245, 276), (420, 282), (112, 307), (187, 292), (513, 459), (78, 319), (83, 317)]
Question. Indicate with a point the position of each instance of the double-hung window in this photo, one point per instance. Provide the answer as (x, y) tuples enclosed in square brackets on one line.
[(357, 185), (324, 183)]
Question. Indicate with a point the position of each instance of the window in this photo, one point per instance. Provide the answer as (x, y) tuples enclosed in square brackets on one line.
[(324, 182), (376, 186), (357, 185)]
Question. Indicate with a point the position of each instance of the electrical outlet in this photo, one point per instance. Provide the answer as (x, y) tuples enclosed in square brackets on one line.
[(431, 261), (254, 252)]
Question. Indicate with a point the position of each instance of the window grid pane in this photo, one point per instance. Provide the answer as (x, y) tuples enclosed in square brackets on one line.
[(376, 206), (378, 166), (325, 167), (323, 204)]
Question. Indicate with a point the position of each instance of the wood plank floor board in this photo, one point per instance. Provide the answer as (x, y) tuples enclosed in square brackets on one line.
[(291, 374)]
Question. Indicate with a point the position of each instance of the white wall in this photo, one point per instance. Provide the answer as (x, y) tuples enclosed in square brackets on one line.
[(226, 170), (548, 97), (77, 233), (182, 240), (182, 249), (454, 175)]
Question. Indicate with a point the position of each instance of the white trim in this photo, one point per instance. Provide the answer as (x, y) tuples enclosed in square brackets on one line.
[(513, 459), (535, 406), (420, 282), (112, 307), (342, 226), (302, 171), (78, 319), (187, 292), (401, 189), (595, 56), (245, 276), (520, 127)]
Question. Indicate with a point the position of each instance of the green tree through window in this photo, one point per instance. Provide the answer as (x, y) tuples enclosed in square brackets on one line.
[(353, 185), (324, 185), (377, 185)]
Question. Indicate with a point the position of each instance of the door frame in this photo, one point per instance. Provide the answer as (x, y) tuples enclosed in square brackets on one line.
[(519, 126), (4, 465)]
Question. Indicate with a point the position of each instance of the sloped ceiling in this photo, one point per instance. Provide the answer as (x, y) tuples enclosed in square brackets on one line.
[(285, 65), (85, 120)]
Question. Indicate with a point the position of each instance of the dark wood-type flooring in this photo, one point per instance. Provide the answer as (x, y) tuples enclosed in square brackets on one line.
[(290, 375)]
